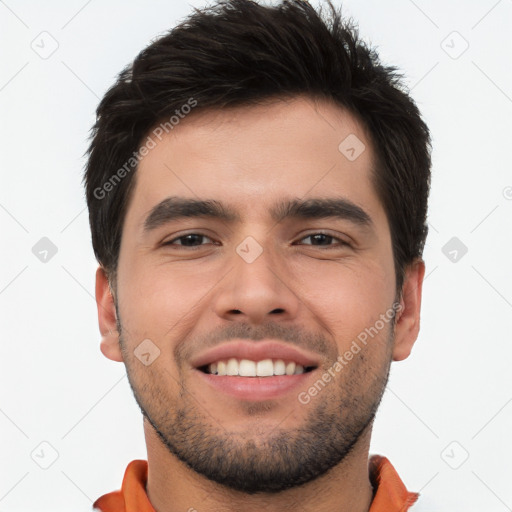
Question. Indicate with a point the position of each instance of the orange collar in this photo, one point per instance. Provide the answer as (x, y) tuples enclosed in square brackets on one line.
[(390, 493)]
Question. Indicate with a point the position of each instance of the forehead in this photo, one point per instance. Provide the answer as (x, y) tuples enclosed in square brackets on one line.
[(251, 157)]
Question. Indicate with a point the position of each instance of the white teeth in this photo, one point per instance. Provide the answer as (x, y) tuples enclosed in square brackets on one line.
[(279, 367), (232, 367), (290, 368), (299, 369), (265, 368), (248, 368), (221, 368)]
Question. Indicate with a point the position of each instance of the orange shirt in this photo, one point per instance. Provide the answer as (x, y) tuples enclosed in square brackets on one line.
[(390, 492)]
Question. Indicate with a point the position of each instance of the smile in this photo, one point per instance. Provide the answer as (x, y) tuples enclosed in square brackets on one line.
[(249, 368)]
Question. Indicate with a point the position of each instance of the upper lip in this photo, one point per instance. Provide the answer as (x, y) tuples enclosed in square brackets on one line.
[(255, 351)]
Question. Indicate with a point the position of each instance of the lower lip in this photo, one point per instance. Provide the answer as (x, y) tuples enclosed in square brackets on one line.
[(256, 388)]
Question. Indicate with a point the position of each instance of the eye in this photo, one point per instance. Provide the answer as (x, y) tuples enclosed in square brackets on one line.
[(316, 239), (324, 240), (189, 240)]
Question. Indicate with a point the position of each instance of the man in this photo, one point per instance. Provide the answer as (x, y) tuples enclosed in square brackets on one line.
[(257, 186)]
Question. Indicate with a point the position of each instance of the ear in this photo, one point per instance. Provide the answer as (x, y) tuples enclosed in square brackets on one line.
[(407, 324), (107, 318)]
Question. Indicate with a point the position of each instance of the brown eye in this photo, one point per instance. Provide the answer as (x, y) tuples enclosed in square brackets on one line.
[(324, 240), (190, 240)]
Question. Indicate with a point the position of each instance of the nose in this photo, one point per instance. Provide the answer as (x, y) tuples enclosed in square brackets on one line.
[(257, 291)]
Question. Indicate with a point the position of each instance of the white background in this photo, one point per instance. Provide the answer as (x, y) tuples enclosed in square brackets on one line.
[(451, 399)]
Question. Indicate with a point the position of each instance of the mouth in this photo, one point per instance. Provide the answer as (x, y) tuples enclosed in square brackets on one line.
[(248, 380), (234, 367), (265, 370)]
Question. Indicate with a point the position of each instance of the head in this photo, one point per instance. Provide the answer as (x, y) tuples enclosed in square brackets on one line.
[(276, 136)]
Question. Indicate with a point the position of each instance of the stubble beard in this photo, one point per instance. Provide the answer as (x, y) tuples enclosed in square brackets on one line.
[(259, 461)]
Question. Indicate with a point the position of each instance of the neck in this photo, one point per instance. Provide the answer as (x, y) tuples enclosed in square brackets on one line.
[(172, 486)]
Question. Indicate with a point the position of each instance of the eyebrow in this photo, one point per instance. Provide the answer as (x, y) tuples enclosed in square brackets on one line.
[(174, 208)]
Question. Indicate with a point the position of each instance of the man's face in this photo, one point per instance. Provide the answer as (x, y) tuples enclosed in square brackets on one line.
[(259, 279)]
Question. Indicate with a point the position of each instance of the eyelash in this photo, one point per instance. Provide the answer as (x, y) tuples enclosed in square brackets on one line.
[(341, 242)]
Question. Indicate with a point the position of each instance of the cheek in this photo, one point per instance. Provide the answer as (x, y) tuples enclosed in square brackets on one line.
[(157, 385), (161, 301), (345, 297)]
